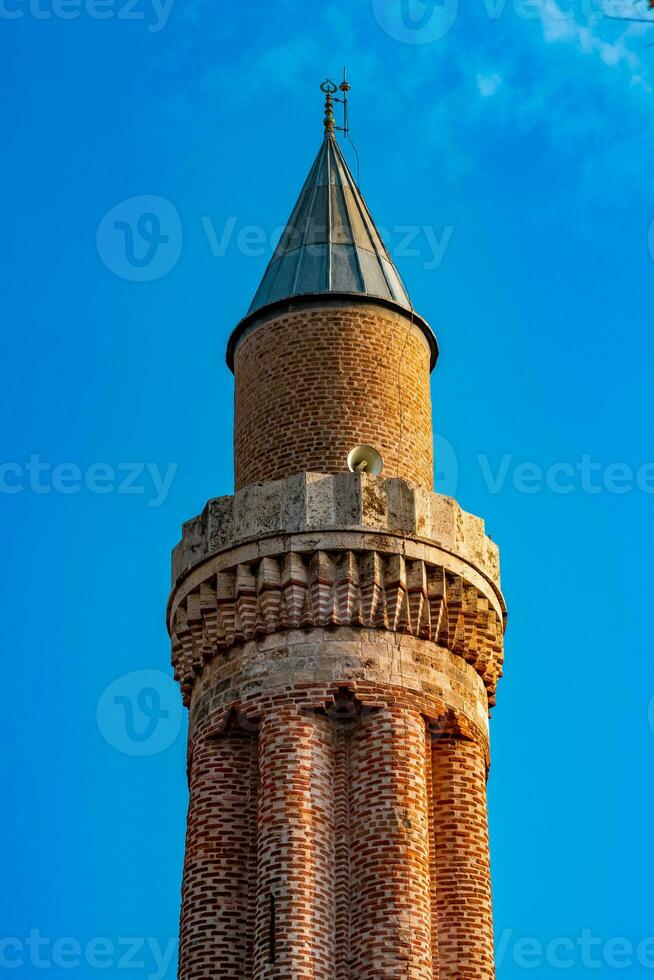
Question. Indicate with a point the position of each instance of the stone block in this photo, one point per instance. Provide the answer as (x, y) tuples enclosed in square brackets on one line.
[(344, 502)]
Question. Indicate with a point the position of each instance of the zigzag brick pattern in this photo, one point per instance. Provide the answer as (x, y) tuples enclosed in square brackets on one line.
[(350, 589)]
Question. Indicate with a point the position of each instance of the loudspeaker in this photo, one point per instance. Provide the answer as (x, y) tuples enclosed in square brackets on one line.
[(365, 459)]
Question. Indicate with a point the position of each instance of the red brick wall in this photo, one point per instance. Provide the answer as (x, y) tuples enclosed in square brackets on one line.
[(217, 924), (389, 855), (296, 848), (463, 883), (313, 384), (343, 916), (370, 837)]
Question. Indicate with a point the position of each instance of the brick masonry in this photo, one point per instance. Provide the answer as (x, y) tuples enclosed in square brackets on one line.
[(220, 851), (463, 885), (313, 384), (389, 860), (338, 639), (337, 832)]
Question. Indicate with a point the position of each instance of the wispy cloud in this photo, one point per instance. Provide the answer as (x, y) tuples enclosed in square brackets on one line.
[(488, 84), (579, 81), (589, 37)]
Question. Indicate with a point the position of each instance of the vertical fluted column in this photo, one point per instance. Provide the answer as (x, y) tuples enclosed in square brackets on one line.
[(295, 934), (463, 885), (389, 826), (429, 776), (342, 853), (220, 865)]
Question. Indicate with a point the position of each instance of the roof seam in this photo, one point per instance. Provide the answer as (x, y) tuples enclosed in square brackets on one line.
[(356, 194), (355, 247), (328, 191)]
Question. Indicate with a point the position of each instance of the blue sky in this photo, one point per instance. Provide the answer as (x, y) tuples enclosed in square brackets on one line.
[(506, 150)]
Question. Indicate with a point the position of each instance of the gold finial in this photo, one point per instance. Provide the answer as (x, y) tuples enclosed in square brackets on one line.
[(329, 89)]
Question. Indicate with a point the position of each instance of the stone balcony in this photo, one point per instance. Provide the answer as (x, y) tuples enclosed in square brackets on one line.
[(346, 501)]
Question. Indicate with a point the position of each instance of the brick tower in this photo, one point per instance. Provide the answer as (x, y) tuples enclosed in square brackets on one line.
[(338, 639)]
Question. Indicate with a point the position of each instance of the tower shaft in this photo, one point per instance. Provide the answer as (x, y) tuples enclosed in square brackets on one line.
[(314, 381), (338, 639)]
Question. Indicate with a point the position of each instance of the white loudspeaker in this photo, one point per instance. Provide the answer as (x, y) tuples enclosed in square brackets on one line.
[(365, 459)]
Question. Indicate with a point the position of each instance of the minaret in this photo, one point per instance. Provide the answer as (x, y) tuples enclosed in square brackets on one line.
[(337, 637)]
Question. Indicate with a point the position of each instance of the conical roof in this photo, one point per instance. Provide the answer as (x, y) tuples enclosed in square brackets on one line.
[(330, 244), (330, 247)]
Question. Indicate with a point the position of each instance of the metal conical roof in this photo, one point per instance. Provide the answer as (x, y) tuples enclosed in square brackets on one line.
[(330, 244)]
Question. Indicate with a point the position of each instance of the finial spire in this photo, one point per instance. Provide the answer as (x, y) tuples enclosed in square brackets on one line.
[(329, 89)]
